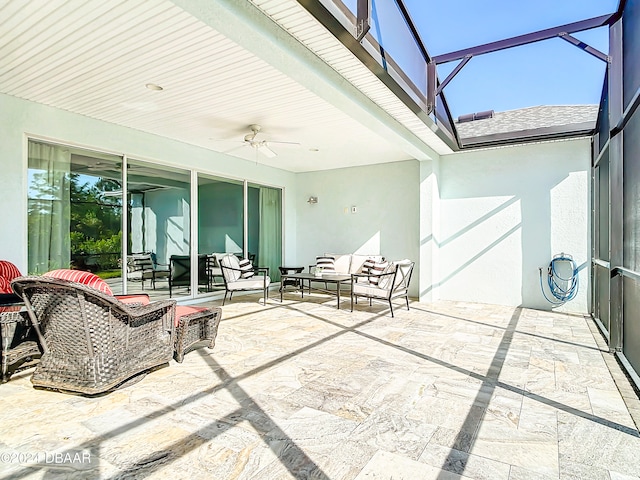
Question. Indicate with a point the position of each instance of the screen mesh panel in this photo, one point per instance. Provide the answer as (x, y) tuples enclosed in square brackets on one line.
[(601, 295), (602, 209), (631, 324), (630, 49), (631, 206)]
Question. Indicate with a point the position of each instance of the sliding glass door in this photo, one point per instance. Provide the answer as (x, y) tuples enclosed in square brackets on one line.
[(74, 211), (220, 223), (75, 208), (264, 212), (159, 228)]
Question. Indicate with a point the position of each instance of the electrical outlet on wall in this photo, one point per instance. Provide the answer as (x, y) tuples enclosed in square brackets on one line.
[(354, 209)]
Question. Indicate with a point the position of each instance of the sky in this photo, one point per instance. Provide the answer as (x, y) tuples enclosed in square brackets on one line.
[(552, 72)]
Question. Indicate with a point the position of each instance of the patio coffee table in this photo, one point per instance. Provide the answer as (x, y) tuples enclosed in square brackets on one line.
[(325, 278), (284, 271)]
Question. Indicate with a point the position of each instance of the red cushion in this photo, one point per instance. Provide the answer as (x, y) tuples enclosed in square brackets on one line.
[(142, 298), (79, 276), (10, 309), (182, 310), (8, 271), (5, 285)]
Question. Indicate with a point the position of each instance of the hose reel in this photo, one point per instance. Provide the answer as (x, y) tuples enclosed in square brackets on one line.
[(562, 279)]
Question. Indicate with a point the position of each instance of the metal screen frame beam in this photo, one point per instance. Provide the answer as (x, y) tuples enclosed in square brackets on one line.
[(525, 39), (346, 37), (455, 71), (616, 185), (363, 20), (583, 46)]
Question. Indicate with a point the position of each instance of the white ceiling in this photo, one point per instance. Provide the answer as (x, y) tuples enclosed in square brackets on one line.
[(94, 58)]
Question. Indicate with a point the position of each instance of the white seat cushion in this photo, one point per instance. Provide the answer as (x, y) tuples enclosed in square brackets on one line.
[(369, 289), (230, 261), (253, 283)]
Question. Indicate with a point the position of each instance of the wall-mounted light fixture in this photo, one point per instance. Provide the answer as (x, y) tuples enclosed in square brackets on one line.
[(312, 200)]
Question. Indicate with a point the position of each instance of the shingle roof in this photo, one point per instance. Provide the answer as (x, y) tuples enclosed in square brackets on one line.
[(531, 118)]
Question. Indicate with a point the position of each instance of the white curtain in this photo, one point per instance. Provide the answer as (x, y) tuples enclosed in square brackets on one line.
[(270, 239), (49, 207)]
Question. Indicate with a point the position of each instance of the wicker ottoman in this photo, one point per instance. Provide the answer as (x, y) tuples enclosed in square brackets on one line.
[(195, 327), (19, 343)]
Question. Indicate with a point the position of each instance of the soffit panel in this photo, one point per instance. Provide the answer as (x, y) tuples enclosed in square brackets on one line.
[(298, 22), (94, 58)]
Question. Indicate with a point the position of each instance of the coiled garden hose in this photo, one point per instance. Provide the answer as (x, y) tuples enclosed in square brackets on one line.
[(562, 288)]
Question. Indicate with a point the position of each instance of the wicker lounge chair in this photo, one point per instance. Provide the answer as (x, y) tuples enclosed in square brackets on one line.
[(8, 271), (195, 327), (19, 344), (91, 341)]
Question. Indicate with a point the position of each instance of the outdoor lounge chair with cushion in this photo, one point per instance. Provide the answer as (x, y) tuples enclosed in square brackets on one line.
[(18, 339), (180, 271), (144, 266), (195, 326), (391, 283), (8, 271), (243, 277), (91, 341)]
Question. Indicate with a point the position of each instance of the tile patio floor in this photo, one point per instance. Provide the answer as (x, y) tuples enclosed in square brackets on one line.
[(302, 390)]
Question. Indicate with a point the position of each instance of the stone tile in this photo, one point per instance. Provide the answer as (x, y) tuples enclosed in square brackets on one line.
[(620, 476), (519, 473), (532, 451), (462, 463), (384, 466), (302, 390), (577, 471), (394, 432), (610, 405), (597, 442)]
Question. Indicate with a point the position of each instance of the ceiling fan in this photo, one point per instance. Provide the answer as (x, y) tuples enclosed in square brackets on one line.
[(261, 145)]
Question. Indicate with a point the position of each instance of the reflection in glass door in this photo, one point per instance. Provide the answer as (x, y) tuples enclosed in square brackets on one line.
[(220, 222), (74, 211), (159, 230), (264, 212)]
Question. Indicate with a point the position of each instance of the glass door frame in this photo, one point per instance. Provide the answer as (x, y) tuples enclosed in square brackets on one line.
[(193, 231)]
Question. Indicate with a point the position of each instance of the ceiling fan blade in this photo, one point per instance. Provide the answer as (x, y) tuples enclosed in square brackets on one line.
[(235, 148), (266, 151), (285, 144)]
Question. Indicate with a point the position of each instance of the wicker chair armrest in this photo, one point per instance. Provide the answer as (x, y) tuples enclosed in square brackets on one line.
[(20, 283), (136, 310), (151, 311), (263, 270)]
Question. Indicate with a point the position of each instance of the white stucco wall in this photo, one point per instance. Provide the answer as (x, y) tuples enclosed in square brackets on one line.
[(505, 212), (20, 119), (479, 224), (429, 230), (387, 220)]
